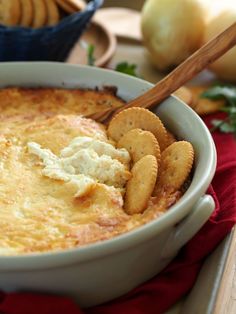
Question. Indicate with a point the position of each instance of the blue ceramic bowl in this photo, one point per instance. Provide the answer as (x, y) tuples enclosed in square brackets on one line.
[(52, 43)]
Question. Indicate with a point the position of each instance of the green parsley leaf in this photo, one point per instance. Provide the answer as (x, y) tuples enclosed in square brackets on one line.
[(125, 67), (222, 125), (219, 92), (90, 54), (230, 110), (227, 92)]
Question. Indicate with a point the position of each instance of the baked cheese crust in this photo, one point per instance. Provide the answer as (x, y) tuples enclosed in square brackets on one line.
[(39, 213)]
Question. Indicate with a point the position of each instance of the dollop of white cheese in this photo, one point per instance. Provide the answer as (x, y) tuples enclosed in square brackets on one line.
[(100, 147), (85, 162)]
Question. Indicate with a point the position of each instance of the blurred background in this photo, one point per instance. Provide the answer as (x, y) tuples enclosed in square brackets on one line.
[(97, 32), (144, 38)]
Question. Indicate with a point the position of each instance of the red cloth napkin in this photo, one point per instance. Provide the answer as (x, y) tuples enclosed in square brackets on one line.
[(159, 293)]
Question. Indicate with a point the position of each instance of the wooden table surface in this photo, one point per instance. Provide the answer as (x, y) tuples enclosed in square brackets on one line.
[(226, 297)]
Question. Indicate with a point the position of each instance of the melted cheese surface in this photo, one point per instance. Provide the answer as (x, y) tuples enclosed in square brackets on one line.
[(50, 198)]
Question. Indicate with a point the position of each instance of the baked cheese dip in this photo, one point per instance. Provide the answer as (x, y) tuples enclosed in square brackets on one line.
[(67, 181)]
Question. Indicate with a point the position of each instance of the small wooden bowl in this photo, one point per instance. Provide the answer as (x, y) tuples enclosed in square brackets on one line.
[(101, 38)]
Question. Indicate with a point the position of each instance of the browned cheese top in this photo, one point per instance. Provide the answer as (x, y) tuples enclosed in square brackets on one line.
[(39, 213)]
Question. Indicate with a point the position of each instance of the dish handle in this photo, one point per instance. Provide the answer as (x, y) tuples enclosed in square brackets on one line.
[(187, 228)]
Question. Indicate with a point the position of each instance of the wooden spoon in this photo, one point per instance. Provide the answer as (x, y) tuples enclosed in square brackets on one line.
[(179, 76)]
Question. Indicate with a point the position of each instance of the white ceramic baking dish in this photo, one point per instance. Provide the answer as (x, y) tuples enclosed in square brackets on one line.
[(102, 271)]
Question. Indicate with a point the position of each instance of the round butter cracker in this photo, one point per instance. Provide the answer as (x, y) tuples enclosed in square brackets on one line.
[(137, 117), (170, 138), (140, 187), (205, 106), (78, 5), (10, 12), (71, 6), (140, 143), (184, 94), (26, 13), (40, 13), (176, 164), (52, 12)]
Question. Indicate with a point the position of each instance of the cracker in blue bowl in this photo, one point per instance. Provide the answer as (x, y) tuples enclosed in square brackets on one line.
[(50, 43), (71, 6), (10, 12), (27, 13)]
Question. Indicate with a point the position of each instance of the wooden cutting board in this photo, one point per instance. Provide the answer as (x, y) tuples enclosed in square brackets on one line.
[(104, 42), (122, 22)]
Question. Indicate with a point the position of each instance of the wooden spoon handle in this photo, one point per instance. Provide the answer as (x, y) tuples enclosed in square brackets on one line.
[(187, 70)]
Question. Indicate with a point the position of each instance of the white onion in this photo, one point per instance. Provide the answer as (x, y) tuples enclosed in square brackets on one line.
[(172, 30), (225, 67)]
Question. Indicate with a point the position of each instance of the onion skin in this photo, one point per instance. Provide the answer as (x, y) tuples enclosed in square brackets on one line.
[(172, 30), (224, 67)]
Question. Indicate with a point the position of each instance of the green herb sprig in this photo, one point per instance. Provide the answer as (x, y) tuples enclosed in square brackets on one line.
[(90, 54), (228, 93), (127, 68)]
